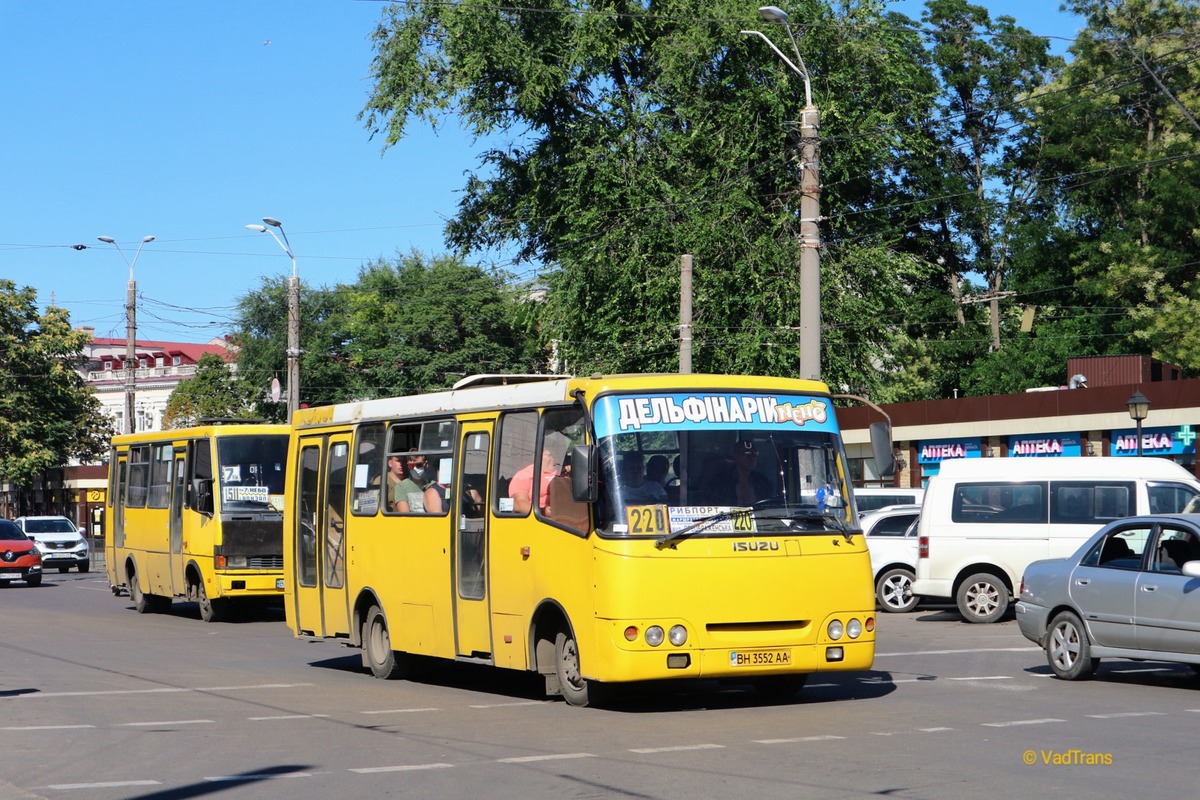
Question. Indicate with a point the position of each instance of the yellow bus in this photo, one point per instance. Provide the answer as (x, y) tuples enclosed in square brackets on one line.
[(197, 514), (527, 522)]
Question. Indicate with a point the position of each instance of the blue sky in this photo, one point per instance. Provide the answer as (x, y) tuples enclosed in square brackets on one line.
[(186, 122)]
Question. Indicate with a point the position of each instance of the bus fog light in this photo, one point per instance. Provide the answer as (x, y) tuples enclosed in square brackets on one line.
[(835, 629), (678, 661), (833, 654), (854, 629), (677, 635), (654, 635)]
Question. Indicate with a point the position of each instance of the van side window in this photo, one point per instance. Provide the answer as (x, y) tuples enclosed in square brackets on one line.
[(1091, 502), (1169, 498), (999, 502)]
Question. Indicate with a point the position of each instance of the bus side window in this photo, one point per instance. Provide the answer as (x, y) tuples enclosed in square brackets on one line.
[(368, 472), (518, 434)]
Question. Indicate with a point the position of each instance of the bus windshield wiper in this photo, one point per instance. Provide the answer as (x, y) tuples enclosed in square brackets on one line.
[(697, 526), (834, 520)]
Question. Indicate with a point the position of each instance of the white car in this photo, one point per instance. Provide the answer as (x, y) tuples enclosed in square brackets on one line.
[(891, 534), (61, 543)]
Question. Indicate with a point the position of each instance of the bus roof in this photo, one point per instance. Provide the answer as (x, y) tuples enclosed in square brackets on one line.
[(199, 431), (485, 392)]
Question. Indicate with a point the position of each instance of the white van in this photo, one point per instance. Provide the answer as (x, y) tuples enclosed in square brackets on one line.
[(985, 519), (871, 498)]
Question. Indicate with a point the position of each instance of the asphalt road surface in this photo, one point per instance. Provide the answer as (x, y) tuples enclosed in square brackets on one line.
[(97, 701)]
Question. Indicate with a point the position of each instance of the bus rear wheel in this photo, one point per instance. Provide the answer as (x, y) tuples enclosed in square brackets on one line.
[(378, 655), (142, 603)]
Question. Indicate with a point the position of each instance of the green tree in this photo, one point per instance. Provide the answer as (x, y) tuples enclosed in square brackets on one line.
[(404, 326), (47, 413), (1120, 129), (213, 392), (644, 130)]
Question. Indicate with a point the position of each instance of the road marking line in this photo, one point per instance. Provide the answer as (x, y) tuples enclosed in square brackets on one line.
[(288, 716), (509, 705), (167, 722), (677, 748), (44, 727), (983, 678), (252, 686), (825, 738), (268, 776), (957, 652), (1020, 722), (889, 681), (934, 730), (553, 757), (399, 710), (821, 685), (162, 690), (1128, 714), (405, 768), (105, 785)]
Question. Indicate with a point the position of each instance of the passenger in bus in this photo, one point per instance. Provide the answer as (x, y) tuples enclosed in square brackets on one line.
[(743, 484), (409, 495), (635, 487), (395, 472), (520, 488), (657, 467)]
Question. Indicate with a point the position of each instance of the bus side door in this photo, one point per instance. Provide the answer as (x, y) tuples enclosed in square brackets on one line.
[(320, 536), (175, 521), (472, 619)]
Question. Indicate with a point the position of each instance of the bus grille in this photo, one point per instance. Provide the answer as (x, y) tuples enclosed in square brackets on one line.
[(265, 562)]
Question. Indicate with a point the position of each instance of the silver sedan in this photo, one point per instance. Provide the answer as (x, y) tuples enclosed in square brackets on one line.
[(1132, 591)]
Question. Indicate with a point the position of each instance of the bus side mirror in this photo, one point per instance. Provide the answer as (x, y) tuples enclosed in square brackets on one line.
[(881, 449), (583, 474), (204, 496)]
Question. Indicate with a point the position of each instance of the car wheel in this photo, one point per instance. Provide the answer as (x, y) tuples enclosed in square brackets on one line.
[(1068, 649), (64, 570), (982, 598), (893, 591), (34, 580), (84, 566)]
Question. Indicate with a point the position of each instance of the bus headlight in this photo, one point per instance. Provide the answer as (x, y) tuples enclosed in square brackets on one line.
[(654, 635), (677, 635), (854, 629), (835, 629)]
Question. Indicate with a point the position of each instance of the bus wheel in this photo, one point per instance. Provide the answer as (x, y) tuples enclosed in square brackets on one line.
[(210, 610), (141, 603), (576, 690), (378, 655)]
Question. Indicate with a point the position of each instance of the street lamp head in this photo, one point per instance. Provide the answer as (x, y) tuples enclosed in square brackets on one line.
[(274, 223), (773, 14), (1139, 406), (257, 228), (107, 239), (147, 239)]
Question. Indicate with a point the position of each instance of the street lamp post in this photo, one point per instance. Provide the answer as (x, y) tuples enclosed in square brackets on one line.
[(130, 327), (293, 323), (810, 203), (1139, 409)]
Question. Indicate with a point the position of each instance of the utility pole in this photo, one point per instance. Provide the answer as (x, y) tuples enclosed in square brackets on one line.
[(130, 329), (685, 314), (810, 202), (293, 315)]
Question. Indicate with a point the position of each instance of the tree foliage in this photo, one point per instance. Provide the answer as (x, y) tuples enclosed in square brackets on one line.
[(47, 413), (404, 326), (213, 392)]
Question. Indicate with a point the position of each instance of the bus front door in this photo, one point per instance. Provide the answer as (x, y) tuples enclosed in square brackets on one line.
[(175, 524), (320, 557), (472, 620)]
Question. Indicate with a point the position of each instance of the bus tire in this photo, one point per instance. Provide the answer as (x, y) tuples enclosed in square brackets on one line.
[(576, 689), (210, 610), (982, 597), (142, 603), (378, 655)]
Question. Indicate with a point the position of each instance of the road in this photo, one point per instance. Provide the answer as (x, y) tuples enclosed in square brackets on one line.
[(97, 701)]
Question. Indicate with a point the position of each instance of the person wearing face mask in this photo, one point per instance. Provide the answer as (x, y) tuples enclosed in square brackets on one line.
[(408, 497)]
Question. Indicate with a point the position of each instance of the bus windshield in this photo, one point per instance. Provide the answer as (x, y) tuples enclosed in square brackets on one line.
[(700, 464), (251, 471)]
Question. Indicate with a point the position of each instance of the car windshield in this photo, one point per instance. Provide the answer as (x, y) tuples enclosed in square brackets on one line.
[(57, 525), (722, 463), (251, 471), (10, 532)]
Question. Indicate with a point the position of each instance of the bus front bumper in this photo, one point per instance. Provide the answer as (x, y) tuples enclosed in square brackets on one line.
[(241, 584)]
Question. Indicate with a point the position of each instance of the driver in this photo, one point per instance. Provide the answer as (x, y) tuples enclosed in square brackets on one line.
[(741, 484)]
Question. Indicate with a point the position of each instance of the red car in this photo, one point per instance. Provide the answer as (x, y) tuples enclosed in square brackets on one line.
[(20, 560)]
